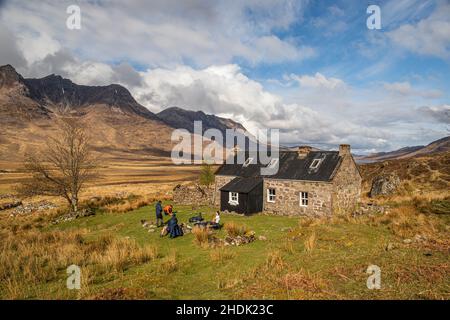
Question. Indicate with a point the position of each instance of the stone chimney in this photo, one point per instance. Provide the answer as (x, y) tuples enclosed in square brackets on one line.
[(344, 149), (303, 151)]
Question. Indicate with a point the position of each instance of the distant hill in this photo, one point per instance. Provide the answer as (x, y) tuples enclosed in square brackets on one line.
[(441, 145)]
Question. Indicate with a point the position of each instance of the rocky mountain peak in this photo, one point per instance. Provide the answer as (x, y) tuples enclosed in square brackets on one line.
[(9, 76)]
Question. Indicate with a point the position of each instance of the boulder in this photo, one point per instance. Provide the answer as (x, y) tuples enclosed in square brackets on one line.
[(384, 185), (10, 205)]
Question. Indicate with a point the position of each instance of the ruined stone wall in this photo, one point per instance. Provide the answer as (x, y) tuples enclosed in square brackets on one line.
[(287, 200), (347, 186), (193, 194), (220, 181)]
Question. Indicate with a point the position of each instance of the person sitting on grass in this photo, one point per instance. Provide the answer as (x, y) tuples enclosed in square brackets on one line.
[(217, 218), (215, 224), (173, 228)]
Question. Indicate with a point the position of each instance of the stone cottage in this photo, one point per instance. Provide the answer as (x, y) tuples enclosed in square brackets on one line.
[(313, 183)]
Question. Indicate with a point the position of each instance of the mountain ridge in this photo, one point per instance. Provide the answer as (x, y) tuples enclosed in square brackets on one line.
[(30, 106), (184, 119), (437, 146)]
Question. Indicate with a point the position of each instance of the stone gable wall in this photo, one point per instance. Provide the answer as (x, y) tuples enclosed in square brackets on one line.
[(347, 186), (287, 200), (220, 181)]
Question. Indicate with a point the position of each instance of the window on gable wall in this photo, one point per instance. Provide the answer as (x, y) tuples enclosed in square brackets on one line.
[(270, 195)]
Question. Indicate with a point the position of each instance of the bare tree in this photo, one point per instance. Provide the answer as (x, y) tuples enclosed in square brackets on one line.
[(64, 166)]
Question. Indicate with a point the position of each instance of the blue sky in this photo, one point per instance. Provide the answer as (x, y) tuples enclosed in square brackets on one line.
[(309, 68)]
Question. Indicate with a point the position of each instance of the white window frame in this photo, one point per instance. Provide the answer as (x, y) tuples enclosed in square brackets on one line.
[(233, 198), (247, 162), (271, 197), (316, 163), (304, 199)]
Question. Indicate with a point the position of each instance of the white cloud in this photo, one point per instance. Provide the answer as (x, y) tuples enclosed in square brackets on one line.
[(430, 36), (405, 89), (164, 33), (37, 47), (318, 81), (438, 113), (225, 91)]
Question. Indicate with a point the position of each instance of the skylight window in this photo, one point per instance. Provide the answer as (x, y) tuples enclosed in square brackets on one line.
[(247, 162), (315, 164)]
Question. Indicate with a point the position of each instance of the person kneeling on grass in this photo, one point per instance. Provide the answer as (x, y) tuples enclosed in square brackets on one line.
[(173, 228), (168, 210)]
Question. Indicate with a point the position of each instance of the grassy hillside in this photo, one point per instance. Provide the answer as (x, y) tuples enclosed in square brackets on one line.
[(421, 177), (301, 258)]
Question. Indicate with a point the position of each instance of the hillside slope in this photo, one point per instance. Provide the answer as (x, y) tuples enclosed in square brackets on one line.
[(29, 110), (441, 145), (419, 175)]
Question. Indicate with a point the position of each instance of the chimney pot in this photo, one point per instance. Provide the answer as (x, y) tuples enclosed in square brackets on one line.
[(344, 149), (303, 151)]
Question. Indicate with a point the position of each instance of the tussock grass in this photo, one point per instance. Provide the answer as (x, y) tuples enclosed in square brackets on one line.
[(121, 205), (221, 255), (303, 284), (406, 221), (234, 229), (169, 263), (202, 236), (34, 257), (310, 242), (432, 206), (274, 260), (120, 294)]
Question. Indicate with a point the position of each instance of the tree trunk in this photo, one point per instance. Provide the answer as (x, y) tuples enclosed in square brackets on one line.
[(74, 204)]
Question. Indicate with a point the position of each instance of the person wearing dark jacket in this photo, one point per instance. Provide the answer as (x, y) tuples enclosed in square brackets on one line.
[(173, 228), (159, 216)]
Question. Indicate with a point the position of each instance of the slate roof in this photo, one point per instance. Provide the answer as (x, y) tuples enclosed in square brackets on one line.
[(242, 185), (291, 167)]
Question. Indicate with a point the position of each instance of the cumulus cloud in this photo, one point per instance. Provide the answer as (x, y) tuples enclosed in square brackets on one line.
[(165, 33), (224, 90), (10, 53), (430, 36), (405, 89), (438, 113), (318, 81)]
